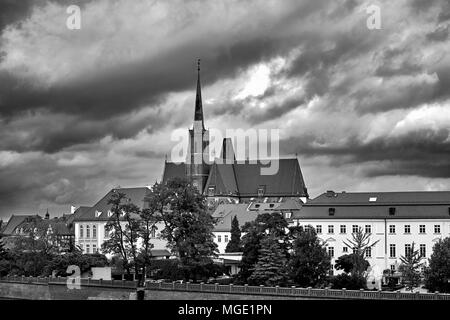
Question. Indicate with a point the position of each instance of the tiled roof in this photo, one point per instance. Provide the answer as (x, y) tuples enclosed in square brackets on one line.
[(387, 198), (15, 221), (136, 196), (376, 205), (225, 213)]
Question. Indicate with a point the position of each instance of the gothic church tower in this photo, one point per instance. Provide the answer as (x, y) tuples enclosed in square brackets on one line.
[(196, 166)]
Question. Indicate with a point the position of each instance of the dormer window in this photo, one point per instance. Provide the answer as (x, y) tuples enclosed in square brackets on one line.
[(331, 211), (261, 191), (109, 213), (288, 215), (271, 205), (97, 213), (392, 211), (122, 212), (211, 191)]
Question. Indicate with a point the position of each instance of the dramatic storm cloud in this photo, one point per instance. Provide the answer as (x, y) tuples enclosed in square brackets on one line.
[(82, 111)]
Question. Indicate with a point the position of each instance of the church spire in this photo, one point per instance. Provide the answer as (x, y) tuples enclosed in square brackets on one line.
[(198, 116)]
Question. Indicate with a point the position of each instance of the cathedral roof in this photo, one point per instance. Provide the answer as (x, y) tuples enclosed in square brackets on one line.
[(245, 178)]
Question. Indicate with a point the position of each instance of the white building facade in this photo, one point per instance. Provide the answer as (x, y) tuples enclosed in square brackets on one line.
[(393, 220), (90, 222)]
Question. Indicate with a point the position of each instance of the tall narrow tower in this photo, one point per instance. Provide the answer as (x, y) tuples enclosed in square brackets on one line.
[(197, 168)]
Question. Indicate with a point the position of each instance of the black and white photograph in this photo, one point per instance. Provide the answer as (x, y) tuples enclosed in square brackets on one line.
[(230, 152)]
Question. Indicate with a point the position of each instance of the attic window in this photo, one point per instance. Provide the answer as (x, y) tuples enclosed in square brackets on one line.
[(288, 215), (211, 190), (261, 190), (331, 211), (257, 205), (271, 205), (97, 213), (391, 211), (109, 213), (372, 199)]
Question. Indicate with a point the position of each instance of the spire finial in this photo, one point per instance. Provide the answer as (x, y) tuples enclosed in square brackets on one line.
[(198, 65)]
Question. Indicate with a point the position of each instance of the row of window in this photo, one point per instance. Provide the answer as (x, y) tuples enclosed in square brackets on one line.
[(343, 229), (87, 229), (422, 229), (219, 238), (408, 250), (368, 252), (88, 234), (368, 229), (86, 248), (392, 251)]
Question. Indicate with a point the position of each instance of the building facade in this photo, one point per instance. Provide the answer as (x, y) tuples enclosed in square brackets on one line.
[(90, 222), (394, 221)]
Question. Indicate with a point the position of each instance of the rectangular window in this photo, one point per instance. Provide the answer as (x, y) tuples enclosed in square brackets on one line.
[(318, 229), (94, 248), (88, 249), (437, 228), (392, 252), (219, 238), (368, 228), (331, 229), (343, 228), (81, 231), (94, 232), (407, 250), (211, 191), (392, 229), (423, 250), (369, 252), (354, 228), (226, 238), (407, 229), (422, 228), (331, 252), (345, 249), (88, 232), (392, 211), (392, 267)]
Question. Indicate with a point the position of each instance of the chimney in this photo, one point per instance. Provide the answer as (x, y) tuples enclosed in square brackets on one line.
[(47, 215), (330, 193)]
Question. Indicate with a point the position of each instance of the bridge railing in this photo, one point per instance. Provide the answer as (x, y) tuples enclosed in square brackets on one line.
[(64, 280), (295, 291)]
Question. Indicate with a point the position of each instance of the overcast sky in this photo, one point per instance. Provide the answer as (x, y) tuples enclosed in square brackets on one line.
[(82, 111)]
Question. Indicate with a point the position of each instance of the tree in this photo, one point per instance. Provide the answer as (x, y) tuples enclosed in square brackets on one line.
[(187, 224), (347, 262), (437, 275), (123, 228), (266, 223), (235, 242), (310, 262), (4, 263), (149, 218), (360, 244), (270, 270), (410, 268)]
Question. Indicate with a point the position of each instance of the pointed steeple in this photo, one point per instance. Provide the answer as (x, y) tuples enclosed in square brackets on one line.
[(198, 116)]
